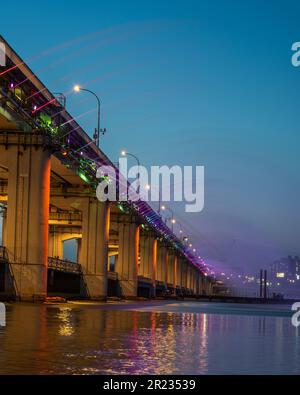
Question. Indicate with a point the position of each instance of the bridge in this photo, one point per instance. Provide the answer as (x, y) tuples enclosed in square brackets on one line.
[(48, 179)]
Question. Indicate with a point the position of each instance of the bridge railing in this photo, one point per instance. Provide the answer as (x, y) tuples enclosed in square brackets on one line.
[(58, 216), (64, 266)]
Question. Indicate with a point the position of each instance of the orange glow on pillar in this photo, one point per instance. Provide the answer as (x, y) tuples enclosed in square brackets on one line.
[(137, 243), (107, 224)]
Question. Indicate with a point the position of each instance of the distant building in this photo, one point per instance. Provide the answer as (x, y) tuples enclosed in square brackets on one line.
[(286, 269)]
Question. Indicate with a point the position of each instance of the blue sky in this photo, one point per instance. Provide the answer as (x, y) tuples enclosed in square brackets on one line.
[(190, 83)]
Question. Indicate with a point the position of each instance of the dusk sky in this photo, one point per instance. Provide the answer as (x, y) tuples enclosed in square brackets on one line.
[(190, 83)]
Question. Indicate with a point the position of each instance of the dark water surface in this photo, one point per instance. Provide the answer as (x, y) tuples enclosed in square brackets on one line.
[(149, 338)]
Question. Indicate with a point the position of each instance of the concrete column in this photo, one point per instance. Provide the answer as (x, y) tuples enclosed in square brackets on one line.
[(179, 277), (127, 262), (148, 263), (146, 255), (27, 219), (185, 274), (191, 277), (171, 268), (175, 275), (166, 279), (197, 282), (93, 255), (55, 245), (202, 284), (194, 273), (206, 286), (154, 271), (188, 276), (162, 261)]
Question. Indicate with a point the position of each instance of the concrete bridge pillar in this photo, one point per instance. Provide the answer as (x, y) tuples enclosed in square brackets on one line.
[(55, 245), (201, 284), (27, 218), (206, 286), (148, 259), (175, 274), (127, 262), (197, 283), (93, 255), (162, 262), (178, 275), (171, 268), (193, 278), (188, 276), (184, 267), (209, 287)]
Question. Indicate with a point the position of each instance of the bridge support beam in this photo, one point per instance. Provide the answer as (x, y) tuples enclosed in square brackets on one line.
[(205, 286), (198, 280), (170, 269), (178, 272), (148, 263), (93, 255), (208, 286), (27, 218), (194, 280), (127, 261), (162, 263), (55, 245), (175, 275), (184, 266)]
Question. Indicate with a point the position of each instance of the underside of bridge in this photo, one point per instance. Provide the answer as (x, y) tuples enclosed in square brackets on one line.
[(47, 196)]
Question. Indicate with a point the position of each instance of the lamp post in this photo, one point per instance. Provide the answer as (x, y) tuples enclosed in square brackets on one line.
[(149, 187), (96, 136), (125, 153), (173, 220)]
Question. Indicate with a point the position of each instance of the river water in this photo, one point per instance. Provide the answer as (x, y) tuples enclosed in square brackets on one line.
[(149, 338)]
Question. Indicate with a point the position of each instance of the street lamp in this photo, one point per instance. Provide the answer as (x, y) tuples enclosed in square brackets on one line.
[(78, 88), (125, 153), (173, 220), (149, 187)]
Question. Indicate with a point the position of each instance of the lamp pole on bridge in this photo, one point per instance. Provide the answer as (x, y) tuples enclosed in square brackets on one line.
[(78, 88), (173, 220), (125, 153)]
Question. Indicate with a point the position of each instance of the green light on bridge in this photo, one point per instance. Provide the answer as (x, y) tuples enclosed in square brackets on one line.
[(83, 176), (121, 208)]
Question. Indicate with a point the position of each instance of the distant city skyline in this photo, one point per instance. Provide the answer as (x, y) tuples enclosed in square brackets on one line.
[(188, 83)]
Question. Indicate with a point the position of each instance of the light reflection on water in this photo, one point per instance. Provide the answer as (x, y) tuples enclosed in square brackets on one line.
[(81, 339)]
